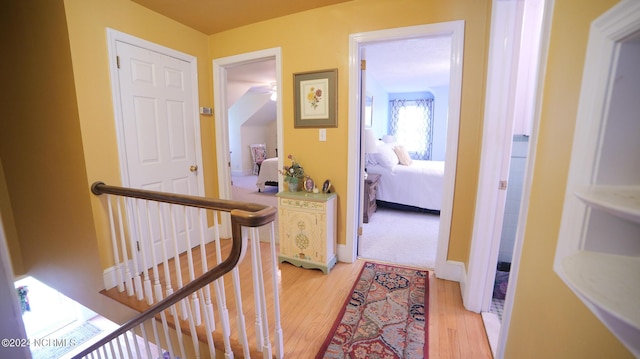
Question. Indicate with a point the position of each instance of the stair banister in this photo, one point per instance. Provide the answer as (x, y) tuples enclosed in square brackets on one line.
[(242, 214)]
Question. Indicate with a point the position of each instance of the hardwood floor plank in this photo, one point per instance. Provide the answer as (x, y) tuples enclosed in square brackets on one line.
[(311, 301)]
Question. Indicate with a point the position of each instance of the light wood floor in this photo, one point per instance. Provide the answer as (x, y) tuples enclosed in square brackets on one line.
[(311, 301)]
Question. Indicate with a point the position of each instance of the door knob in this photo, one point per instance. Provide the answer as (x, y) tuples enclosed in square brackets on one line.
[(193, 168)]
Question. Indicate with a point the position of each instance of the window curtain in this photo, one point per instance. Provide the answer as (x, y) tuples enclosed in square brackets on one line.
[(412, 126)]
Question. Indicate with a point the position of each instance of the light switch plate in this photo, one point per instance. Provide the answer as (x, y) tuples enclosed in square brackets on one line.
[(323, 134)]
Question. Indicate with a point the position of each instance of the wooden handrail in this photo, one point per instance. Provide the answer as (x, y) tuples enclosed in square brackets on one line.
[(242, 214)]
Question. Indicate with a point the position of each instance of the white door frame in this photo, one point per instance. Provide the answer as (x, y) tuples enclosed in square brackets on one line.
[(222, 119), (481, 257), (348, 252), (114, 36)]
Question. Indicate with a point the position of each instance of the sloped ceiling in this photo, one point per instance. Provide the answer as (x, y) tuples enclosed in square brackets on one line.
[(213, 16)]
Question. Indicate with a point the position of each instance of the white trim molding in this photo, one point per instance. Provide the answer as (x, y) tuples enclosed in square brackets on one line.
[(455, 29), (221, 118)]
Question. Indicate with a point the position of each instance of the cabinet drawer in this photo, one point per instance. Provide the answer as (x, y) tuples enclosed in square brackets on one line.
[(302, 204)]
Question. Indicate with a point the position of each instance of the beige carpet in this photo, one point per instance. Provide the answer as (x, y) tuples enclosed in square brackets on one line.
[(392, 236), (244, 189), (401, 237)]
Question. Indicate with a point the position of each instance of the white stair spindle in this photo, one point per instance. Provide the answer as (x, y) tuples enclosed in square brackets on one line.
[(156, 336), (134, 338), (176, 251), (266, 342), (208, 327), (148, 292), (123, 244), (279, 339), (165, 256), (208, 307), (124, 337), (255, 253), (195, 305), (114, 243), (157, 286), (137, 282), (194, 334), (176, 321), (242, 329), (145, 339)]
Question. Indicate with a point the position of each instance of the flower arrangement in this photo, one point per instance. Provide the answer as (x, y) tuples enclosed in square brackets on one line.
[(314, 96), (293, 172)]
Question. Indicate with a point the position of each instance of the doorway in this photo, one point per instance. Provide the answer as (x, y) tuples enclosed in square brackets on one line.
[(407, 90), (518, 42), (223, 97), (454, 29)]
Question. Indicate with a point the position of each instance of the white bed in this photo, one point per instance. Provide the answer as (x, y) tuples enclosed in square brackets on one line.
[(268, 175), (419, 184)]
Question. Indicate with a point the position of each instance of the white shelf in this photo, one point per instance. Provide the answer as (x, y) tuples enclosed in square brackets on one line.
[(611, 282), (621, 201)]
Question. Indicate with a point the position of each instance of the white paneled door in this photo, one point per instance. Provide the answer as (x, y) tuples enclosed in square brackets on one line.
[(158, 126)]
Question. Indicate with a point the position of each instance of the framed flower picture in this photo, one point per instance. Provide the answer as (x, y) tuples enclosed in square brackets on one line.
[(315, 99)]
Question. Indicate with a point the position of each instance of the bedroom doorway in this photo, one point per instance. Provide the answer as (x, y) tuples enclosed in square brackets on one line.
[(258, 73), (453, 30), (406, 89)]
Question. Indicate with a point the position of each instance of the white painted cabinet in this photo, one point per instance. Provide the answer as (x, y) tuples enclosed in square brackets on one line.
[(307, 227), (598, 253)]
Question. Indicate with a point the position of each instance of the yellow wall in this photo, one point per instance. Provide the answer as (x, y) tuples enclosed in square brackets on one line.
[(9, 226), (319, 39), (43, 158), (87, 21), (548, 320)]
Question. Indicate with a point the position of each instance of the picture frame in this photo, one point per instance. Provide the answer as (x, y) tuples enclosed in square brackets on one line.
[(309, 185), (315, 99), (326, 186)]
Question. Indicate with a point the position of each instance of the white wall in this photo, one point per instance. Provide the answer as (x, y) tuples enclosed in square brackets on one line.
[(243, 131), (440, 113)]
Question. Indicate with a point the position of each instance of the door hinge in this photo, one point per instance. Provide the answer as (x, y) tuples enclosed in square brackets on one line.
[(363, 65), (359, 231), (118, 61), (138, 246), (502, 185)]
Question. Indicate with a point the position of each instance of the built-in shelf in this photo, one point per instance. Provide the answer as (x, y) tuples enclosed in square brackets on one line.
[(598, 252), (621, 201), (608, 281)]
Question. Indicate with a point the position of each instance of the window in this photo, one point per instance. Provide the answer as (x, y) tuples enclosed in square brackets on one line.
[(412, 125)]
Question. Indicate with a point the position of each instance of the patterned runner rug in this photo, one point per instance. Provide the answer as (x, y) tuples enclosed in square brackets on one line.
[(384, 317)]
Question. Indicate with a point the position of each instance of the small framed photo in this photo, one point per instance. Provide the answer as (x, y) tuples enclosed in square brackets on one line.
[(326, 186), (309, 185), (315, 99)]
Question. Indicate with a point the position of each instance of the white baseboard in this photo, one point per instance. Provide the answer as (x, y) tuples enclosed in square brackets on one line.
[(343, 254), (109, 277), (451, 270)]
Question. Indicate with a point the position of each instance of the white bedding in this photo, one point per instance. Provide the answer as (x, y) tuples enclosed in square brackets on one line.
[(268, 173), (419, 184)]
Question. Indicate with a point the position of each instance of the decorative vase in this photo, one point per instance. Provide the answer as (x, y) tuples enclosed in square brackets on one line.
[(293, 184)]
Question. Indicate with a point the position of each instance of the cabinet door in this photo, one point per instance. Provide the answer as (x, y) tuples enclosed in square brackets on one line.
[(304, 235)]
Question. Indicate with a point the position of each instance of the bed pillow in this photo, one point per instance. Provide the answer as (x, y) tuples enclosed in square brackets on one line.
[(388, 139), (403, 155), (387, 156)]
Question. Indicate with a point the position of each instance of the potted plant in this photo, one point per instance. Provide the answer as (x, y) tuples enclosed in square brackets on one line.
[(293, 174)]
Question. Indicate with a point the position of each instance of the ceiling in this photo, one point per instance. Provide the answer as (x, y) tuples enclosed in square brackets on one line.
[(409, 65), (398, 66), (213, 16)]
